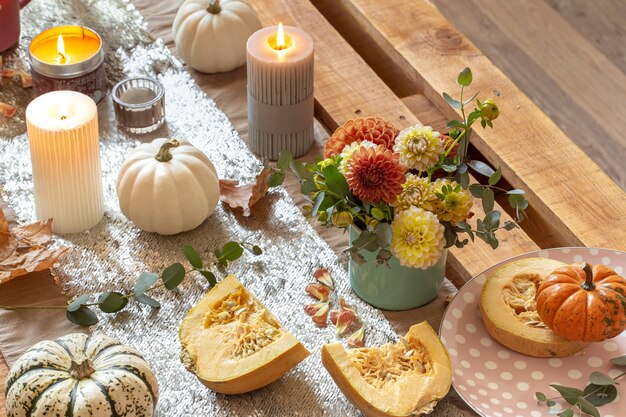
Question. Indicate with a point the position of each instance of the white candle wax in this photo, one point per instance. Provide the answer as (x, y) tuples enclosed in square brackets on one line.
[(280, 92), (65, 154)]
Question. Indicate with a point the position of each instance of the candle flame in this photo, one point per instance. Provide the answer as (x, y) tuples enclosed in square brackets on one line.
[(280, 37), (64, 109), (61, 59)]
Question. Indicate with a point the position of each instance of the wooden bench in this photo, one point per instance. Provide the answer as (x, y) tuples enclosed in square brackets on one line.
[(394, 59)]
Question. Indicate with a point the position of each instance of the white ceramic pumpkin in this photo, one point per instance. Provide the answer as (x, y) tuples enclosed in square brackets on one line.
[(167, 187), (81, 375), (211, 35)]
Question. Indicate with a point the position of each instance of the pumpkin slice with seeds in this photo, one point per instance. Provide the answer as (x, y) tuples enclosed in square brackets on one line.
[(407, 378), (233, 344)]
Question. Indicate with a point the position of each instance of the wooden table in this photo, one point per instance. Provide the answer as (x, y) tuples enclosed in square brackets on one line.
[(394, 59)]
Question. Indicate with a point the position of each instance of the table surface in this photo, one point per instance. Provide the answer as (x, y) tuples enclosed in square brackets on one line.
[(359, 43)]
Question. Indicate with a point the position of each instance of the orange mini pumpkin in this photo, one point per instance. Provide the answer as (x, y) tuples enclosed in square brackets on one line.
[(583, 303)]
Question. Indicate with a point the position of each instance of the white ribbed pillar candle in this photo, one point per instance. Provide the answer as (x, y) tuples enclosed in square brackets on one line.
[(65, 154), (280, 92)]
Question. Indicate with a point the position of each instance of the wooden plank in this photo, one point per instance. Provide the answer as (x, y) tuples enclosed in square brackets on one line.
[(345, 83), (573, 200)]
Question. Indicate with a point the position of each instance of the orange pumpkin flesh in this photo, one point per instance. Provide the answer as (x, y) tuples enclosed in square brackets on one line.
[(583, 303)]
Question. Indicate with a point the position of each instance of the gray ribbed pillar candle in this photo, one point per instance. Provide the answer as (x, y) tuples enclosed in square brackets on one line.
[(280, 92)]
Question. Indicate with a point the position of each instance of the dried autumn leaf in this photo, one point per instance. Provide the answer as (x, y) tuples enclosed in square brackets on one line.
[(25, 77), (6, 109), (323, 276), (24, 249), (244, 196), (318, 312), (318, 291)]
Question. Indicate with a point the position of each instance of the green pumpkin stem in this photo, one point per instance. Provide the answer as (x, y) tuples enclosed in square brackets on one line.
[(588, 285), (164, 154), (81, 370), (214, 7)]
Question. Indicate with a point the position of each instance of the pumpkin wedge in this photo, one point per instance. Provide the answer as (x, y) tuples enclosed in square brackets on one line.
[(233, 344), (403, 379), (508, 309)]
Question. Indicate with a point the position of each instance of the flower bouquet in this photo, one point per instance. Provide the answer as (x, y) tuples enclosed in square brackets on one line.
[(404, 195)]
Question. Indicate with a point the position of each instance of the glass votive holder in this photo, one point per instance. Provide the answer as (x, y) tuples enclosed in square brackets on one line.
[(139, 104)]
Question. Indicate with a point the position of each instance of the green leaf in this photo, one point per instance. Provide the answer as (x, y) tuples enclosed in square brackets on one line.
[(284, 159), (210, 276), (488, 200), (147, 300), (307, 187), (599, 378), (367, 240), (335, 181), (587, 407), (452, 102), (465, 77), (83, 316), (569, 394), (256, 250), (144, 282), (481, 168), (112, 301), (566, 413), (464, 179), (78, 302), (495, 177), (516, 191), (466, 102), (492, 220), (173, 275), (619, 361), (600, 394), (540, 396), (378, 213), (318, 202), (232, 251), (550, 403), (300, 170), (192, 256), (383, 235), (454, 123), (518, 201), (477, 190), (275, 179)]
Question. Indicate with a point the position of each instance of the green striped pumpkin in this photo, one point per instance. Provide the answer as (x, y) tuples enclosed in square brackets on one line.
[(81, 375)]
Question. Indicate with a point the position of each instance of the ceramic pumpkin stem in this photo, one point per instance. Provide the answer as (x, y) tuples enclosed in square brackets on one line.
[(164, 154), (214, 7), (588, 285), (81, 370)]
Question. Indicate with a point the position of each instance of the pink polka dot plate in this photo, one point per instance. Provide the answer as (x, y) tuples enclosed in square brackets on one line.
[(498, 382)]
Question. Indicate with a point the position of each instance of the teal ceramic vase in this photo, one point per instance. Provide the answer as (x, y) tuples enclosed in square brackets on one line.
[(394, 287)]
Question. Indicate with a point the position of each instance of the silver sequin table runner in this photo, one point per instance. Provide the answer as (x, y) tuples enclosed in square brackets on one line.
[(114, 253)]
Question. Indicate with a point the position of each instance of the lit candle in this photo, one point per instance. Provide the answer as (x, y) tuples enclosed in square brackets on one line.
[(280, 91), (65, 154), (68, 58)]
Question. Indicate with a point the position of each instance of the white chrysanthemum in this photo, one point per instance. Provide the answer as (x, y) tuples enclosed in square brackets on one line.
[(419, 147), (348, 150)]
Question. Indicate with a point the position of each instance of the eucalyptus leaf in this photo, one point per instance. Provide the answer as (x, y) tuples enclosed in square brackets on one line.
[(550, 403), (488, 200), (516, 191), (452, 102), (210, 277), (466, 102), (173, 275), (147, 300), (619, 361), (566, 413), (284, 160), (477, 190), (600, 394), (464, 179), (540, 396), (112, 301), (307, 187), (145, 281), (495, 177), (300, 170), (232, 251), (275, 179), (569, 394), (366, 240), (481, 168), (465, 77), (599, 378), (454, 123), (383, 235), (318, 202), (192, 256), (587, 407), (78, 302), (83, 316), (462, 168), (492, 220)]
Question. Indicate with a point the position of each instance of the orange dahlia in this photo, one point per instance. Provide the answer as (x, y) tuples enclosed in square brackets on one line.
[(375, 174), (373, 129)]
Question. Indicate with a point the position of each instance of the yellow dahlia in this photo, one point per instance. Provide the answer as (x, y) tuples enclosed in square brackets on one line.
[(373, 129), (453, 203), (416, 192), (419, 147), (375, 174), (417, 238)]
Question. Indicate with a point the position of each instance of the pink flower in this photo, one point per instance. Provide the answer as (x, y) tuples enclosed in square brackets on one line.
[(318, 312), (323, 276), (375, 174), (318, 291)]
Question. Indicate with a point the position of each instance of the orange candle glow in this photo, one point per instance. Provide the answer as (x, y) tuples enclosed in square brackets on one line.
[(64, 48)]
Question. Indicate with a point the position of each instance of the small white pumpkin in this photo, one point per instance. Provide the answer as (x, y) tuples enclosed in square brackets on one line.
[(167, 187), (211, 35), (81, 375)]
